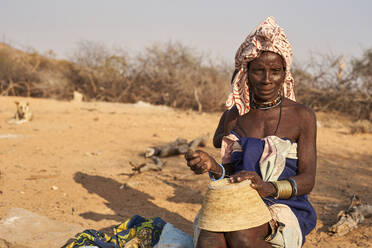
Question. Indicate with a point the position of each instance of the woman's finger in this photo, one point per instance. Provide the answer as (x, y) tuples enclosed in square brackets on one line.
[(190, 154), (256, 181), (194, 162), (198, 169), (244, 175), (238, 178)]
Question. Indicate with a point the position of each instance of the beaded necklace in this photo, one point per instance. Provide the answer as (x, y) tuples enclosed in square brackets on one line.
[(267, 105)]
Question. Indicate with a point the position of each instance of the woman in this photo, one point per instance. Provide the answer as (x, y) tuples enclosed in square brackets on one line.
[(268, 138)]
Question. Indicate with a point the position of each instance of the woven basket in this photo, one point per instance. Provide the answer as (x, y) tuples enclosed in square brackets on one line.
[(230, 207)]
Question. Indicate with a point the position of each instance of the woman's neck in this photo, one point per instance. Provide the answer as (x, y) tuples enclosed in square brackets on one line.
[(266, 104)]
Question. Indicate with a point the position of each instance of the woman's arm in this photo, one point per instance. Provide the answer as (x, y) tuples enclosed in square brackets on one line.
[(219, 133), (221, 128), (225, 126), (306, 152)]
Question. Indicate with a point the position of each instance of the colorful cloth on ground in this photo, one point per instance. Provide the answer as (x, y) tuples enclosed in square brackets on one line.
[(136, 232), (268, 36), (273, 159)]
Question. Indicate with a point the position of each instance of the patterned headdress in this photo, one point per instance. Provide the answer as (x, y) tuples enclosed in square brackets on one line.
[(268, 36)]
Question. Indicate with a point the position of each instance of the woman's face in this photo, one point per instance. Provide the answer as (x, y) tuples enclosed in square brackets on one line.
[(266, 76)]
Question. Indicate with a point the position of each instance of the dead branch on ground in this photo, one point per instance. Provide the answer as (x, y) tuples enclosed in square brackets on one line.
[(351, 217), (179, 146)]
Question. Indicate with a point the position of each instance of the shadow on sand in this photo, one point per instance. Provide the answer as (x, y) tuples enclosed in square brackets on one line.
[(125, 202)]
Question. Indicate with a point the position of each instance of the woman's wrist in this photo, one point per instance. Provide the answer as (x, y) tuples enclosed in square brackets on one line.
[(217, 171), (273, 190)]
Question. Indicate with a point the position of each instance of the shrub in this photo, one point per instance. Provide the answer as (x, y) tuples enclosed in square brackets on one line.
[(178, 76), (361, 126), (175, 75)]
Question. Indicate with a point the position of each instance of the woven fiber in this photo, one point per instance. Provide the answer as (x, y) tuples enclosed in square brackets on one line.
[(230, 207)]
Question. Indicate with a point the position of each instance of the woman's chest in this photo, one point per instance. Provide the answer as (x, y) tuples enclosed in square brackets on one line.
[(261, 124)]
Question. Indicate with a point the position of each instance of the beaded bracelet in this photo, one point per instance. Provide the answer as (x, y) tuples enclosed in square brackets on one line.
[(222, 176)]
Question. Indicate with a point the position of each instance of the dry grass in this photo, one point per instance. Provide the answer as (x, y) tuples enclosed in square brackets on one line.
[(166, 74), (361, 126)]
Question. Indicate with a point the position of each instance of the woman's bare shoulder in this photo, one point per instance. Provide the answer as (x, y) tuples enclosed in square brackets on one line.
[(298, 107), (304, 113)]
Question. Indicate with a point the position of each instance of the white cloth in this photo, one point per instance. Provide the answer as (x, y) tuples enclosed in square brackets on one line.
[(172, 237), (290, 235), (272, 161)]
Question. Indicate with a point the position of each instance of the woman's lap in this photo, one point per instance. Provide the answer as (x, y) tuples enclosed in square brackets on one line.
[(287, 232), (253, 237)]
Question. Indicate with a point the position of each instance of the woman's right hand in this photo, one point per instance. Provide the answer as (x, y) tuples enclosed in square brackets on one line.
[(200, 161)]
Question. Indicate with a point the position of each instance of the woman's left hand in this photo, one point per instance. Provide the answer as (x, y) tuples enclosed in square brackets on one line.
[(265, 189)]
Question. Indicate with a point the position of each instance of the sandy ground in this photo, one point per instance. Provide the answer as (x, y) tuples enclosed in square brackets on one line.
[(72, 164)]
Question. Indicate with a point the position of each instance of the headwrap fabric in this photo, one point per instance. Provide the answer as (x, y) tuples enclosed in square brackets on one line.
[(267, 36)]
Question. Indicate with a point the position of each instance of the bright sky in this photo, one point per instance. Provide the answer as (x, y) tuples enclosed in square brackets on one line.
[(213, 27)]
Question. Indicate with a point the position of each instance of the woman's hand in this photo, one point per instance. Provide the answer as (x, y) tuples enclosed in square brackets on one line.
[(200, 161), (265, 189)]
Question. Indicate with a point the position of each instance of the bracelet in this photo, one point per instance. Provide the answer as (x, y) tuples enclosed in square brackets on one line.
[(284, 189), (294, 187), (222, 176)]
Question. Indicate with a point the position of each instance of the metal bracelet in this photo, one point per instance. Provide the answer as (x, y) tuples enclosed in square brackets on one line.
[(222, 176), (294, 187), (285, 189)]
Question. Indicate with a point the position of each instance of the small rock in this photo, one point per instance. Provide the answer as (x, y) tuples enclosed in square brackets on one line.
[(10, 136), (78, 97), (150, 152), (92, 153), (122, 186), (22, 192), (333, 205), (54, 187)]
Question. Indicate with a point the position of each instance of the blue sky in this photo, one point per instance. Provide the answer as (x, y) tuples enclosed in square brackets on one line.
[(211, 27)]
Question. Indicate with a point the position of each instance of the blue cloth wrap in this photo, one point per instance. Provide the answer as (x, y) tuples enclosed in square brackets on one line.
[(249, 159)]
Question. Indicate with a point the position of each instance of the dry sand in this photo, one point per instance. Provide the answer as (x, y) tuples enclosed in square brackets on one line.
[(71, 164)]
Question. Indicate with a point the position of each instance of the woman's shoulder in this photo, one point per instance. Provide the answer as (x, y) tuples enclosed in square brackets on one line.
[(304, 113), (231, 114), (298, 107)]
